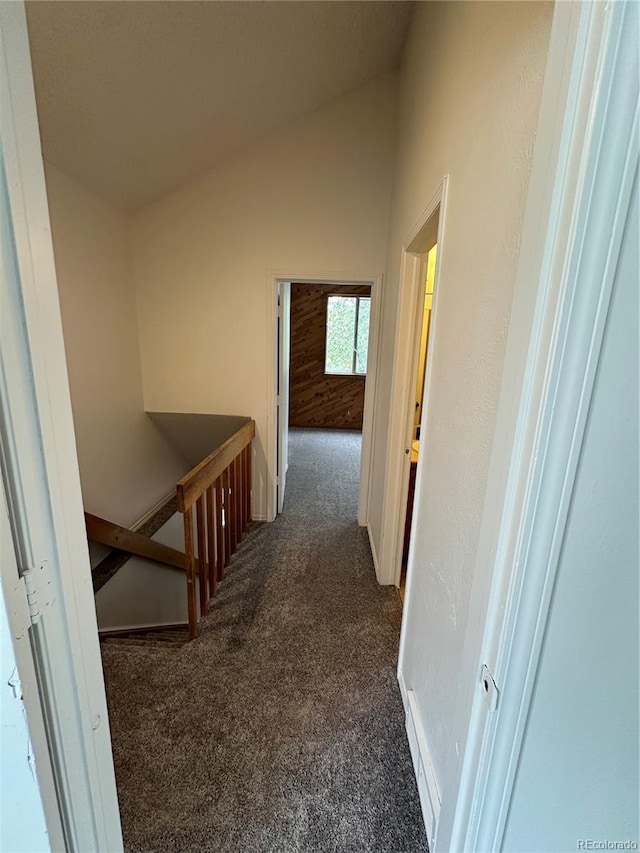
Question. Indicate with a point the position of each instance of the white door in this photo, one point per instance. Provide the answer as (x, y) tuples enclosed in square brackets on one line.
[(23, 825), (46, 576), (282, 388), (561, 630)]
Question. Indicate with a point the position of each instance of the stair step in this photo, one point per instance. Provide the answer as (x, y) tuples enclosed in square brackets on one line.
[(167, 637)]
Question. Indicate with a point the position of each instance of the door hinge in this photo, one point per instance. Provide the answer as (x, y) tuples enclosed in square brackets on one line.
[(28, 581), (33, 595)]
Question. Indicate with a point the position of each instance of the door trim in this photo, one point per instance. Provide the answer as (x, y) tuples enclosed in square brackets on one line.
[(570, 250), (422, 236), (282, 390), (337, 278), (40, 469)]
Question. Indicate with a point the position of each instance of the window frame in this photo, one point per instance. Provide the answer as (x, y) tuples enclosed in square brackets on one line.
[(358, 297)]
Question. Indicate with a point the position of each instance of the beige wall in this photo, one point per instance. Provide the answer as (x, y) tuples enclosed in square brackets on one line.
[(313, 197), (470, 90), (316, 197), (125, 465)]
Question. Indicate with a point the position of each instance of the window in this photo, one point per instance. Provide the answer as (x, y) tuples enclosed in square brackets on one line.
[(347, 334)]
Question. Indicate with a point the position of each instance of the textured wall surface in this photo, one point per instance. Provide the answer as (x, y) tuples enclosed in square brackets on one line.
[(212, 79), (318, 399), (470, 93), (313, 199), (126, 466)]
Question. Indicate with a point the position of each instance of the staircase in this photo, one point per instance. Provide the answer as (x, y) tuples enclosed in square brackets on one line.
[(214, 499), (166, 637)]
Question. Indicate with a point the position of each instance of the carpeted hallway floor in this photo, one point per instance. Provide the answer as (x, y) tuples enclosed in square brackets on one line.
[(280, 728)]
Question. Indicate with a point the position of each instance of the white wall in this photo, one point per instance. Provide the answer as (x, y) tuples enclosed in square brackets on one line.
[(470, 91), (22, 821), (126, 466), (579, 764), (146, 593), (313, 197)]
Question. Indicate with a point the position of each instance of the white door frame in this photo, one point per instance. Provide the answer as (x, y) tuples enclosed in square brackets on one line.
[(282, 390), (585, 165), (429, 229), (30, 816), (337, 278), (40, 472)]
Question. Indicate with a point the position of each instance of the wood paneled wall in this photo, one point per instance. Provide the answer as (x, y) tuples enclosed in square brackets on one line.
[(316, 399)]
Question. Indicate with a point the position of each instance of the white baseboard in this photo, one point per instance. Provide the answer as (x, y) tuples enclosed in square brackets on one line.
[(422, 764), (403, 691), (154, 509), (373, 552)]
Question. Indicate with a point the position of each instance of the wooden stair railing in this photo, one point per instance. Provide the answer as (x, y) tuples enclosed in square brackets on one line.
[(220, 489), (107, 533)]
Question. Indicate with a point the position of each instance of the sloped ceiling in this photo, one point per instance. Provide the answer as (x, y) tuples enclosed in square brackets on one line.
[(135, 98)]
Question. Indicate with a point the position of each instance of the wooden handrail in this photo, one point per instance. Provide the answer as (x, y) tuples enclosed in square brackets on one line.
[(220, 490), (107, 533), (218, 493), (194, 484)]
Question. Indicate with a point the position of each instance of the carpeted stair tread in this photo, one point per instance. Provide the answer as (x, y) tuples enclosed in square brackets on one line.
[(172, 637)]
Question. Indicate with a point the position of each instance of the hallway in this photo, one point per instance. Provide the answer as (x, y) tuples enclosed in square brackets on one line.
[(281, 727)]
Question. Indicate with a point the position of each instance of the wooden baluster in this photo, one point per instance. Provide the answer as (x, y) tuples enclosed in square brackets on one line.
[(191, 573), (211, 542), (247, 484), (240, 498), (227, 518), (236, 463), (219, 529), (232, 506), (249, 481), (243, 493), (202, 555)]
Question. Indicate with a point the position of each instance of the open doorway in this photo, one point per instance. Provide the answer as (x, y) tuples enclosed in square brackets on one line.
[(326, 346), (425, 296), (409, 415), (329, 333), (328, 356)]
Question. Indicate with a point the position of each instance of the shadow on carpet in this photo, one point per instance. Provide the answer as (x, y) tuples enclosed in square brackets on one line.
[(281, 727)]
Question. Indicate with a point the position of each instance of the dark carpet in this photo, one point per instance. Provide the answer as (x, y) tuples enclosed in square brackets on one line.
[(281, 727)]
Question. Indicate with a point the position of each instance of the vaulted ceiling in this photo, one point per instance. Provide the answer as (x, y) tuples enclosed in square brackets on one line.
[(136, 98)]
